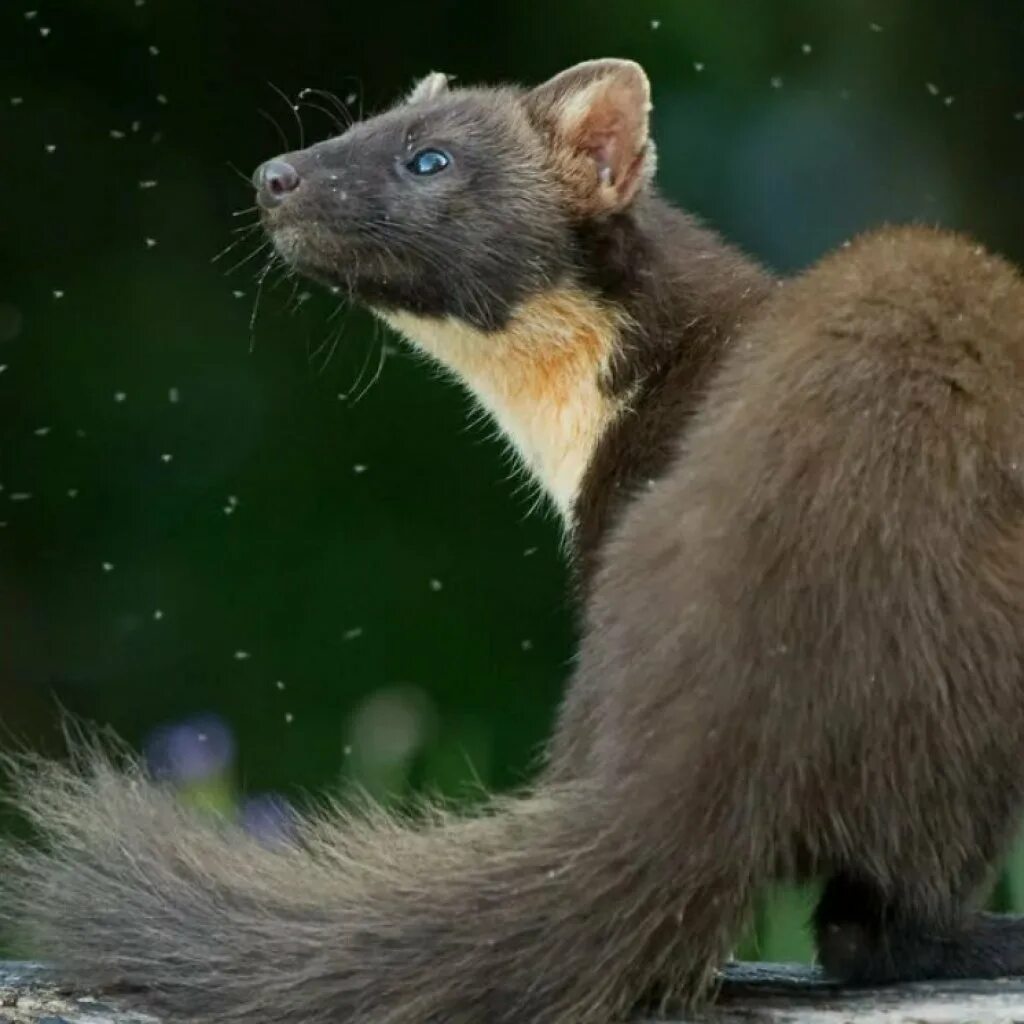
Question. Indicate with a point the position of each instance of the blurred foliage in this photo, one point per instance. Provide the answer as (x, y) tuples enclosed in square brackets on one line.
[(203, 517)]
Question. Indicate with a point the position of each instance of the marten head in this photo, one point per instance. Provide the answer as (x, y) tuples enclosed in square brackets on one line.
[(463, 203)]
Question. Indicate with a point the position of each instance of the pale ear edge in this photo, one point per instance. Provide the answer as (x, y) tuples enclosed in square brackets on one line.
[(544, 92)]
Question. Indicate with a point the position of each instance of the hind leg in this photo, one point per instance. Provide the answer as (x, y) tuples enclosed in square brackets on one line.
[(866, 937)]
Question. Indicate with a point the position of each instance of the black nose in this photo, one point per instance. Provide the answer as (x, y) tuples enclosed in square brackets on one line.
[(273, 181)]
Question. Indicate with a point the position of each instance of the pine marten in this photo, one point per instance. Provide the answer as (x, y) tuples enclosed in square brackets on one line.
[(797, 513)]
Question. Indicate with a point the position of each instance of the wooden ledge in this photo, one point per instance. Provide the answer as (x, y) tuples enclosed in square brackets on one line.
[(751, 994)]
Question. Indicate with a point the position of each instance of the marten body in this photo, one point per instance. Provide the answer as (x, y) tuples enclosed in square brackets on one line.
[(797, 511)]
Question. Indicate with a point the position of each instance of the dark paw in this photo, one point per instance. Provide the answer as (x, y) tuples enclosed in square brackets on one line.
[(844, 949)]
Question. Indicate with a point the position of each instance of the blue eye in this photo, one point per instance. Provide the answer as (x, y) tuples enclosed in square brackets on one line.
[(428, 161)]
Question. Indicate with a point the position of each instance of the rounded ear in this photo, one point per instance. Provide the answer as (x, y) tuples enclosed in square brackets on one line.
[(428, 88), (596, 118)]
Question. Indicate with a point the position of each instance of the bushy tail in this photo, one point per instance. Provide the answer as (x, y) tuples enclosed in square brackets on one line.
[(555, 907)]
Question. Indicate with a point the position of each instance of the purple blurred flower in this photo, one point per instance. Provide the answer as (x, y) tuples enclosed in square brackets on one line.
[(190, 751)]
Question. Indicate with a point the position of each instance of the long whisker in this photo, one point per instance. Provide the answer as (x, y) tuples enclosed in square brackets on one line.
[(242, 262), (380, 365), (285, 144), (296, 298), (356, 384), (245, 177), (256, 300), (358, 94), (335, 341), (341, 307), (293, 107), (311, 354), (333, 338), (248, 230), (336, 123), (335, 102)]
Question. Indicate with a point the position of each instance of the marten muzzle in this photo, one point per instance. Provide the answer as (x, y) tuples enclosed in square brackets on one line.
[(274, 180)]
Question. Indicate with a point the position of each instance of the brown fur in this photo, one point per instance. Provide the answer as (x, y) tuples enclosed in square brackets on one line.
[(802, 536)]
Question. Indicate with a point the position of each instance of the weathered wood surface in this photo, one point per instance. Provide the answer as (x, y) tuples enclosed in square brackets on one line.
[(29, 996), (782, 994), (750, 994)]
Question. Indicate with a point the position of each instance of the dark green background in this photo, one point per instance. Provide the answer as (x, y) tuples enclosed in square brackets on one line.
[(910, 110)]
